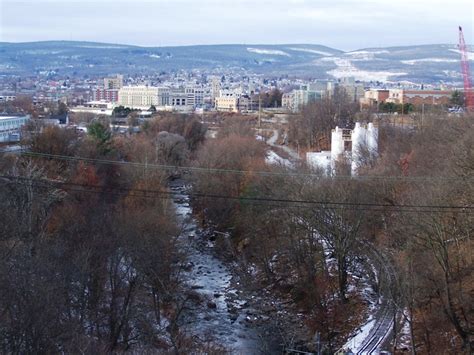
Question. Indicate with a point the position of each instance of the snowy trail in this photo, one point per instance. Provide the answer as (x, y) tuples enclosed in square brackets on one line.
[(272, 142), (220, 317)]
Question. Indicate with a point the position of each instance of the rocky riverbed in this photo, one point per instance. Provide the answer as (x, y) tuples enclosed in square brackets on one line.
[(224, 314)]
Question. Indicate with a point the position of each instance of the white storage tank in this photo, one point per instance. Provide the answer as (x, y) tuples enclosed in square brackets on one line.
[(337, 143), (373, 139)]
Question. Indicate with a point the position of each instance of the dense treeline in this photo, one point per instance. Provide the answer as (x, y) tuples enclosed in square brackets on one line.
[(87, 262), (319, 254)]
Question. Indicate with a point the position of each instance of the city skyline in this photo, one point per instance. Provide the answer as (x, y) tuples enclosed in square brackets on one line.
[(336, 24)]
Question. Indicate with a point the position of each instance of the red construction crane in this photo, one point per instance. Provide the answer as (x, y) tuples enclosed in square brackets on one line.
[(466, 74)]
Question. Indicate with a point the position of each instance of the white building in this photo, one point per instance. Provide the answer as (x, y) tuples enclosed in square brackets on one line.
[(227, 103), (363, 138), (195, 96), (10, 127), (6, 98), (346, 144), (296, 99), (141, 97)]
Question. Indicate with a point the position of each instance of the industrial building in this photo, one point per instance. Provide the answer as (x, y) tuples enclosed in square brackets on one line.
[(141, 97), (374, 97), (346, 144), (227, 103), (10, 127), (419, 97)]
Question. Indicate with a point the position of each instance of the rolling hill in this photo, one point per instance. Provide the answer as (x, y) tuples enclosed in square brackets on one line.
[(424, 63)]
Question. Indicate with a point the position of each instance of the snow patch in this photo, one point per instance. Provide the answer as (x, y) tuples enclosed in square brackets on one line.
[(383, 51), (268, 51), (155, 56), (452, 73), (308, 50), (363, 55), (356, 342), (433, 60), (346, 69), (273, 158), (470, 55)]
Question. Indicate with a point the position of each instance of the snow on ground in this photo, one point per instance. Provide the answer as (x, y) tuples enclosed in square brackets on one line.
[(309, 50), (432, 60), (452, 73), (155, 56), (363, 55), (268, 51), (345, 69), (101, 47), (376, 51), (405, 336), (470, 55), (356, 342), (273, 158), (272, 142)]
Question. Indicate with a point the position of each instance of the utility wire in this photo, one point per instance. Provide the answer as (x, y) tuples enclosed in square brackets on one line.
[(148, 193), (241, 172)]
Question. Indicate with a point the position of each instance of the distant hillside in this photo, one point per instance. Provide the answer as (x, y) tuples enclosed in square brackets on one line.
[(427, 63)]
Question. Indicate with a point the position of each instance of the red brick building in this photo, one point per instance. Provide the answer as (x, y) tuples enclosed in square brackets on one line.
[(419, 97), (107, 95)]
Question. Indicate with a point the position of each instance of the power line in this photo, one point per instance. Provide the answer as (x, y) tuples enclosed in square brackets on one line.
[(148, 193), (241, 172)]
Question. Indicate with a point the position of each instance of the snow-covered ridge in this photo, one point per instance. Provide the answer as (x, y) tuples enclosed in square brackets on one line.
[(432, 60), (365, 55), (346, 69), (268, 51), (309, 50), (377, 51), (470, 55)]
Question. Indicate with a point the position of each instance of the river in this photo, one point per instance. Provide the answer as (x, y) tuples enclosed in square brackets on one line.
[(222, 316)]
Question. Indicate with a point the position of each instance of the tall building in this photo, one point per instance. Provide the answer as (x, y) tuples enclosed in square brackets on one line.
[(195, 96), (113, 83), (138, 96), (107, 95), (215, 88), (287, 101), (354, 90)]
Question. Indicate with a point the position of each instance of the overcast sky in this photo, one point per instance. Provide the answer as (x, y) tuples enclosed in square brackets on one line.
[(343, 24)]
